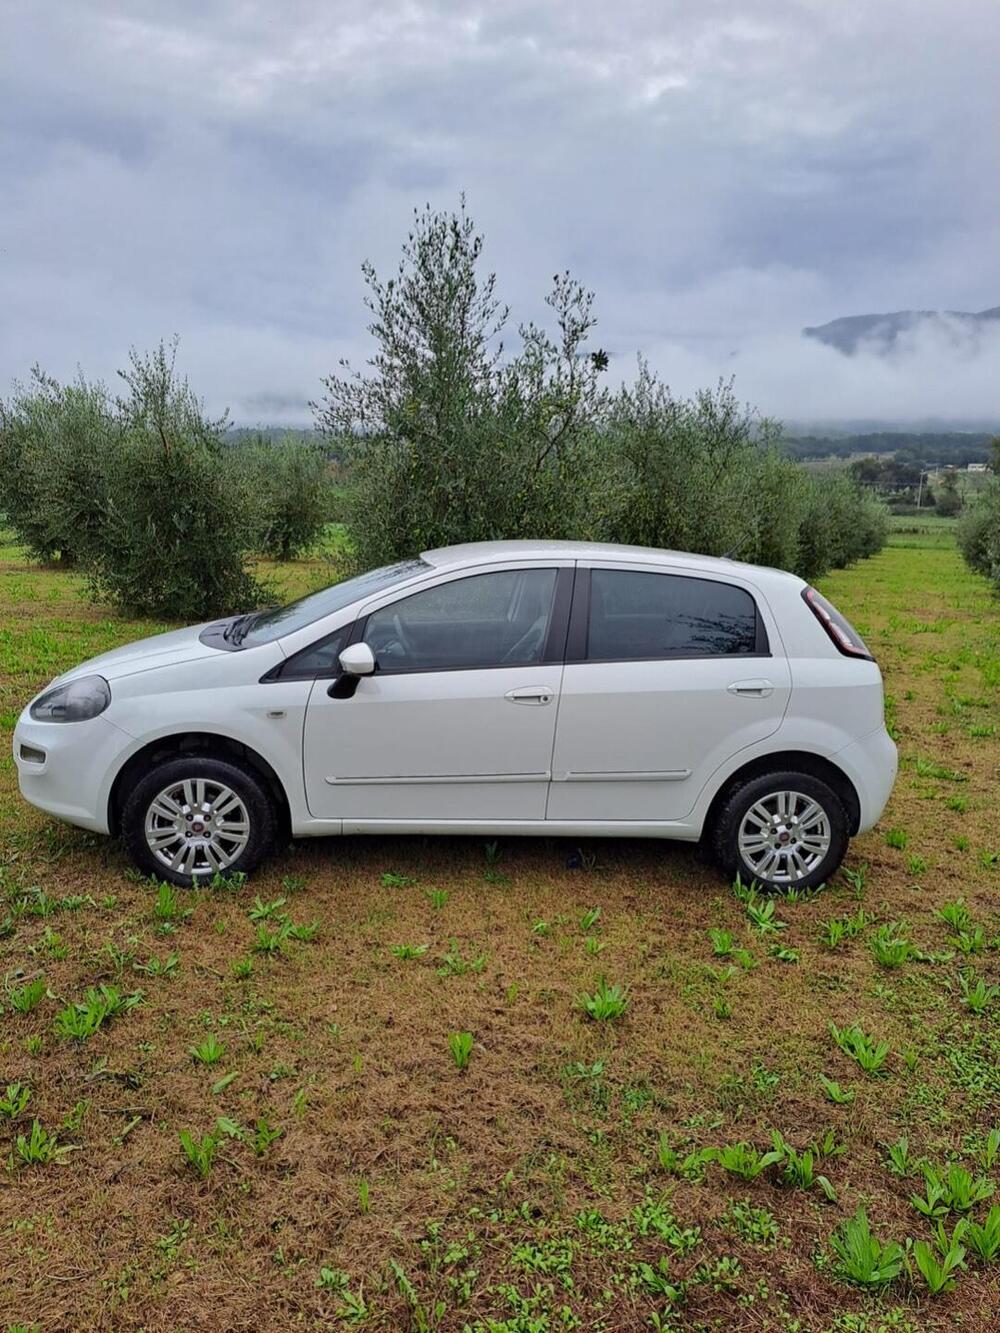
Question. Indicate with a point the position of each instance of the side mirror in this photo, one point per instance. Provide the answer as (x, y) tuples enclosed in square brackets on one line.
[(357, 660)]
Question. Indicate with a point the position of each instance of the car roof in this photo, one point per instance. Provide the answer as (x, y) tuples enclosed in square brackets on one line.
[(480, 553)]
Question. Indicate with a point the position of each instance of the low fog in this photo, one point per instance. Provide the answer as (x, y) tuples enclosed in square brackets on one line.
[(925, 380)]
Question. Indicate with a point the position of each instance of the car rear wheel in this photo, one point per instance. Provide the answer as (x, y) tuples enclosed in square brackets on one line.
[(192, 818), (782, 830)]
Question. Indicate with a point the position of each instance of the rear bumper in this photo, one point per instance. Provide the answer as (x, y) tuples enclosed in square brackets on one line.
[(871, 763)]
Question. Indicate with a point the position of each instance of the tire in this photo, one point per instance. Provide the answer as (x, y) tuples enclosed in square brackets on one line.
[(754, 839), (171, 831)]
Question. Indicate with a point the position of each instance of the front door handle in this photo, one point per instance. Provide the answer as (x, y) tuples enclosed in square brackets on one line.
[(531, 694), (752, 689)]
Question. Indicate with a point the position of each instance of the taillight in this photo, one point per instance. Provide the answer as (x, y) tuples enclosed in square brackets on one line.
[(845, 637)]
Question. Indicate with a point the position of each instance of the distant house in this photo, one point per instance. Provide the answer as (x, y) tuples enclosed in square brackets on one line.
[(976, 467)]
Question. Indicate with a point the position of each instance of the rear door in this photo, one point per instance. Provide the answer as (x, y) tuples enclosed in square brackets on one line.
[(667, 675), (458, 722)]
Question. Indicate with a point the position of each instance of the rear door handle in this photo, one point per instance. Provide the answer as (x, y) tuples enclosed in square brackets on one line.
[(752, 689), (531, 694)]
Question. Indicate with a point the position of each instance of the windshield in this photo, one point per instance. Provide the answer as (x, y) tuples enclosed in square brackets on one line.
[(266, 626)]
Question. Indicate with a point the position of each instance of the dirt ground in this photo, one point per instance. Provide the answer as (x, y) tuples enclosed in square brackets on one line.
[(359, 1178)]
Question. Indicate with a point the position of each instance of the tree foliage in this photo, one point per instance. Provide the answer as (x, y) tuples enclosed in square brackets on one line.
[(176, 535), (448, 434), (447, 438), (979, 533), (285, 492), (53, 440), (451, 437), (145, 494)]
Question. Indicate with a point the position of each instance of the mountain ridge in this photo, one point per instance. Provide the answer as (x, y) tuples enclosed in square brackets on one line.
[(881, 332)]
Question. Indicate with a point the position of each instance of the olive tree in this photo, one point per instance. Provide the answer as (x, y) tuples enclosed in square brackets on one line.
[(286, 492), (54, 439), (688, 472), (979, 533), (449, 438), (176, 536)]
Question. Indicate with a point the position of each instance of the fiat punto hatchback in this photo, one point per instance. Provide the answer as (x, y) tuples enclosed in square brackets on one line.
[(556, 688)]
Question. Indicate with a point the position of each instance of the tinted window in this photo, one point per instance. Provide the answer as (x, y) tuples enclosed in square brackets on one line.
[(283, 620), (636, 615), (487, 620)]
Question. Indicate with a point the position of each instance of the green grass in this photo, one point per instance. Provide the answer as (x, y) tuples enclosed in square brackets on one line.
[(297, 1128)]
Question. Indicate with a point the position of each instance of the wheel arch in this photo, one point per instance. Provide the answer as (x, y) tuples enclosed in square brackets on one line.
[(802, 761), (192, 743)]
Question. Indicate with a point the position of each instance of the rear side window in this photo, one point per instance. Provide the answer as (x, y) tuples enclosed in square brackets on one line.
[(838, 627), (639, 615)]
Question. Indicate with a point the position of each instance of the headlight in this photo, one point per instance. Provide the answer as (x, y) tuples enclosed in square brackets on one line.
[(76, 701)]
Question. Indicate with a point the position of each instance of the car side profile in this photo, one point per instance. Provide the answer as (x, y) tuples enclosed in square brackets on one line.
[(555, 688)]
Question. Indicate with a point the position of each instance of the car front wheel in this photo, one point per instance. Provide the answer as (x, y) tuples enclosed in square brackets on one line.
[(782, 830), (192, 818)]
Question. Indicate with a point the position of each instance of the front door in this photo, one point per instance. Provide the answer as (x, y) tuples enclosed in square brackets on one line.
[(457, 724), (667, 676)]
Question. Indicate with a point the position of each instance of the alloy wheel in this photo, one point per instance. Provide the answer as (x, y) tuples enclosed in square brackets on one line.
[(784, 837), (197, 827)]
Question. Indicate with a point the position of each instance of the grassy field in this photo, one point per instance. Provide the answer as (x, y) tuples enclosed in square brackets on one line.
[(343, 1171)]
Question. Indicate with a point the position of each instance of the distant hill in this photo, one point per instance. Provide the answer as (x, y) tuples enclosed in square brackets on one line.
[(244, 434), (951, 449), (881, 332)]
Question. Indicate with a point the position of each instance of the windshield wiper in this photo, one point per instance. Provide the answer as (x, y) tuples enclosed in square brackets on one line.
[(237, 629)]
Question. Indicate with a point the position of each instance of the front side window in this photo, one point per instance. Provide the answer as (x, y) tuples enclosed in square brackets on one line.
[(319, 659), (639, 615), (265, 626), (486, 620)]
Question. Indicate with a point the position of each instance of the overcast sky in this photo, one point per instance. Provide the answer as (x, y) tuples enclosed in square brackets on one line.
[(720, 173)]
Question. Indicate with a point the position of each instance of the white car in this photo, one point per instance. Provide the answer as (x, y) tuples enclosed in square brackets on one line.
[(494, 688)]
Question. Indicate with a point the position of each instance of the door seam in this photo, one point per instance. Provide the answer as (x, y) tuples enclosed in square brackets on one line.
[(555, 734)]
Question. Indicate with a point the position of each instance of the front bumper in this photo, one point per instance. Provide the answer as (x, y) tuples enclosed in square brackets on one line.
[(871, 763), (66, 768)]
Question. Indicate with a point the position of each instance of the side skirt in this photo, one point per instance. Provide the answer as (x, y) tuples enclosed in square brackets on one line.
[(536, 828)]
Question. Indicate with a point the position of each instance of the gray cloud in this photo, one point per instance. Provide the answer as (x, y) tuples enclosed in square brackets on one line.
[(720, 174)]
